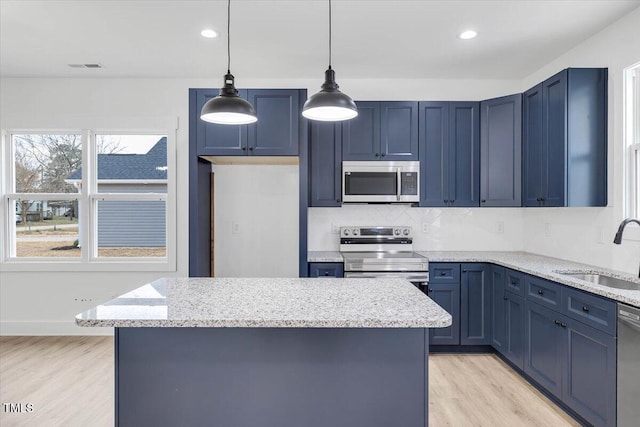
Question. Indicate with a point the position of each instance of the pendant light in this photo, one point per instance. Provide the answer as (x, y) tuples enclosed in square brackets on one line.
[(330, 105), (228, 108)]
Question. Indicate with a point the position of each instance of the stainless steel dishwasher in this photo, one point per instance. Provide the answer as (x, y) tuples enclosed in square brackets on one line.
[(628, 366)]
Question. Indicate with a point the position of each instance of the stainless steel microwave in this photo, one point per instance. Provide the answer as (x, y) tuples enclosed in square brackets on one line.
[(380, 182)]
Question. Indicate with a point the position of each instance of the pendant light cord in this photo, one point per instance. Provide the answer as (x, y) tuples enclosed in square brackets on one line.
[(329, 34), (229, 37)]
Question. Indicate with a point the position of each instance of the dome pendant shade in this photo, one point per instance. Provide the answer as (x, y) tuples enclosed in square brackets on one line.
[(228, 108), (330, 105)]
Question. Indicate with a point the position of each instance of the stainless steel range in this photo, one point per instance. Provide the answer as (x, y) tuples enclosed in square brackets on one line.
[(382, 252)]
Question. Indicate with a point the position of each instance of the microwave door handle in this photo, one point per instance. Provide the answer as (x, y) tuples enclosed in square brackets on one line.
[(399, 178)]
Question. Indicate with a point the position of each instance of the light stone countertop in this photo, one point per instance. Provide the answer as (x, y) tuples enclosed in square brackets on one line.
[(545, 267), (537, 265), (270, 303)]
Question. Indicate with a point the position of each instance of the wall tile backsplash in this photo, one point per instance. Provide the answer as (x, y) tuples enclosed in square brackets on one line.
[(446, 229)]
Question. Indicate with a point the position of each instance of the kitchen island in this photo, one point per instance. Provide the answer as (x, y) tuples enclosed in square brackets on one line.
[(271, 352)]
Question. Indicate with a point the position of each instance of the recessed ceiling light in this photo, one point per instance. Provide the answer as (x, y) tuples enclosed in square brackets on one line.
[(466, 35), (210, 34)]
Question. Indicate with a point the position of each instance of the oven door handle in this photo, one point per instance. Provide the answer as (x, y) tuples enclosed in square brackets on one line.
[(415, 278)]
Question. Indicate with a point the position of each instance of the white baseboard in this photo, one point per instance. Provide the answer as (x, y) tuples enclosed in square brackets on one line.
[(54, 327)]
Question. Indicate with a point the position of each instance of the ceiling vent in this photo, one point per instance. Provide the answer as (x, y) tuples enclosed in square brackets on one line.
[(85, 65)]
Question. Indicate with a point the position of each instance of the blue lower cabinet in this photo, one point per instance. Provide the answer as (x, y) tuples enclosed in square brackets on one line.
[(475, 304), (544, 346), (498, 309), (573, 361), (326, 269), (589, 382), (514, 344), (447, 296)]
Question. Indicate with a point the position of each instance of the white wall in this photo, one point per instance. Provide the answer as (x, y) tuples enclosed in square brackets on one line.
[(256, 221)]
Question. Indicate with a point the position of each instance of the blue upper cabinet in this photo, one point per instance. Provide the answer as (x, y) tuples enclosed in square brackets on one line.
[(399, 130), (325, 166), (276, 133), (501, 151), (449, 153), (218, 140), (565, 140), (382, 131)]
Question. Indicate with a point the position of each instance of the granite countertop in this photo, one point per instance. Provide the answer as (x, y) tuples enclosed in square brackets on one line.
[(270, 303), (537, 265), (545, 267)]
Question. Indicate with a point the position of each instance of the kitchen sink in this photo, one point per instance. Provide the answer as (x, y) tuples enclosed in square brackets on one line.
[(604, 280)]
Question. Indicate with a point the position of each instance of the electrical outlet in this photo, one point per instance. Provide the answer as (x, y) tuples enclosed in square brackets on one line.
[(547, 229), (425, 227), (335, 229), (235, 228), (500, 227)]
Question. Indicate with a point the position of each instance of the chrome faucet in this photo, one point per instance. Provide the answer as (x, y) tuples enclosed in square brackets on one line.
[(618, 239)]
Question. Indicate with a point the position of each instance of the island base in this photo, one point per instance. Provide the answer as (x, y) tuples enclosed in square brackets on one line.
[(278, 377)]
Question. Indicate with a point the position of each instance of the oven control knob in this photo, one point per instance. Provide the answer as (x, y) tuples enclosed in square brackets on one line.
[(356, 231), (396, 232), (347, 232), (405, 231)]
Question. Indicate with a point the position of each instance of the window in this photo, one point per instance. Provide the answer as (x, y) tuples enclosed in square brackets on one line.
[(88, 197), (632, 138)]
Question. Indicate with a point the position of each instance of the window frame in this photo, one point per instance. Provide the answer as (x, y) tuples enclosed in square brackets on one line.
[(88, 198), (632, 139)]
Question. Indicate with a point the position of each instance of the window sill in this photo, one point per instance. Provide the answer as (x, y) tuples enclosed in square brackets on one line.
[(79, 266)]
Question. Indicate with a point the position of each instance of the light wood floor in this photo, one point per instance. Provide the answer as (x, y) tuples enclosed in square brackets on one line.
[(69, 381)]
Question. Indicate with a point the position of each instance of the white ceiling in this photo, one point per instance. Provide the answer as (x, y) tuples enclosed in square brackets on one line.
[(289, 39)]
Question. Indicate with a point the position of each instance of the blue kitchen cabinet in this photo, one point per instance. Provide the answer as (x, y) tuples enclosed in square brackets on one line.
[(450, 153), (567, 357), (589, 382), (218, 140), (498, 309), (544, 346), (501, 151), (325, 164), (447, 296), (565, 140), (276, 133), (507, 316), (475, 304), (382, 131), (326, 269)]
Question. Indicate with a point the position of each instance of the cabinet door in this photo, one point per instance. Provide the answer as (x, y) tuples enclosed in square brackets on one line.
[(326, 269), (554, 113), (218, 140), (532, 162), (276, 133), (361, 135), (464, 154), (325, 164), (475, 304), (544, 347), (434, 153), (399, 130), (589, 384), (446, 296), (501, 151), (514, 346), (498, 309)]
